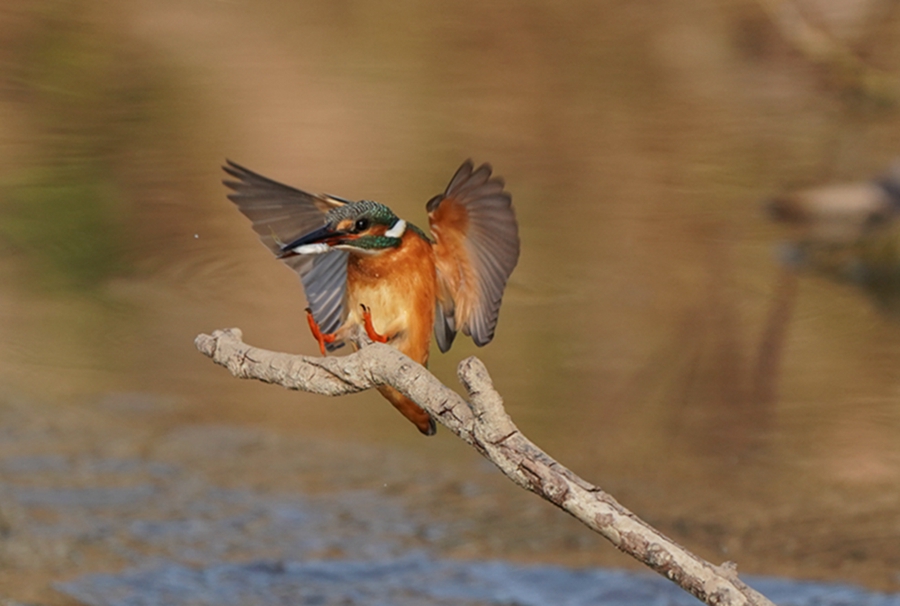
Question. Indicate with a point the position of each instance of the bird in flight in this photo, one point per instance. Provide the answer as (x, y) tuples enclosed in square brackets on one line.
[(362, 265)]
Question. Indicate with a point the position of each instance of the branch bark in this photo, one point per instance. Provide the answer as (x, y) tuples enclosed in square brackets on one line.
[(482, 422)]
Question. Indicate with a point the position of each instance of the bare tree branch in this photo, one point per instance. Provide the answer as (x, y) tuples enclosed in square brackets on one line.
[(483, 423)]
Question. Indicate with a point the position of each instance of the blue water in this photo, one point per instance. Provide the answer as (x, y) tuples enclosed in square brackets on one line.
[(176, 537), (420, 579)]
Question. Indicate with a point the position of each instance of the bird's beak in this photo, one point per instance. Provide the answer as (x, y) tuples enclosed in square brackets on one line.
[(313, 243)]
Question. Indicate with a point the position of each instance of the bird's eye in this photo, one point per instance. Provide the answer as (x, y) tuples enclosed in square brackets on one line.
[(361, 225)]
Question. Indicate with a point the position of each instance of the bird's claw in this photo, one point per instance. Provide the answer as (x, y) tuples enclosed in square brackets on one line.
[(320, 337), (370, 328)]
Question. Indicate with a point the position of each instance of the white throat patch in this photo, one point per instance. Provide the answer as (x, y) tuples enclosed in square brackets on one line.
[(397, 230)]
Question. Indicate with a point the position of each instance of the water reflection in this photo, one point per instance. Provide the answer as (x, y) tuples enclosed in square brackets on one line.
[(649, 337)]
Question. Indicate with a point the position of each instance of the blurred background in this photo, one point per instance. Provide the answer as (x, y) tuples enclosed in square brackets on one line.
[(733, 379)]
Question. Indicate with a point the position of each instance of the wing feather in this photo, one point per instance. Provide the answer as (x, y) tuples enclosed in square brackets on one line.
[(476, 248), (280, 214), (324, 279)]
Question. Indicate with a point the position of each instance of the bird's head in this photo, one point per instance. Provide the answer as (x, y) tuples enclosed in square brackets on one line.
[(363, 227)]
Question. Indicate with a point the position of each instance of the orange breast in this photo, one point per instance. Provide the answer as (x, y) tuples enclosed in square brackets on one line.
[(399, 287)]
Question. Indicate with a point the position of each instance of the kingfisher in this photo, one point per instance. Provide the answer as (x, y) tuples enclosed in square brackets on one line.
[(363, 266)]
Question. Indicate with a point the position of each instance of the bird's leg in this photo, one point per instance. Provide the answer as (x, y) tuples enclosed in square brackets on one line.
[(321, 337), (370, 329)]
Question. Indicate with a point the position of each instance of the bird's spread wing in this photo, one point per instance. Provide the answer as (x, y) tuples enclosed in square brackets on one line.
[(476, 248), (324, 280), (280, 214)]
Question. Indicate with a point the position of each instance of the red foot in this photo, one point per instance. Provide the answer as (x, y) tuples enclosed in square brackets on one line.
[(370, 329), (321, 337)]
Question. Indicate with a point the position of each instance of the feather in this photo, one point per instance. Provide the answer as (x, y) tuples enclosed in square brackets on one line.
[(280, 214), (476, 248)]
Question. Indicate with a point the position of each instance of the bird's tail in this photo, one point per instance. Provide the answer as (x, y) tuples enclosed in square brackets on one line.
[(410, 410)]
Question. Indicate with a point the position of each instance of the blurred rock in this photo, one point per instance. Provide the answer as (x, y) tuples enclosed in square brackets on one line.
[(849, 231), (842, 213)]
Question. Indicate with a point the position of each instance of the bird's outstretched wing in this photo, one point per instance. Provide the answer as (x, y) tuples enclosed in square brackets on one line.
[(280, 214), (476, 248)]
